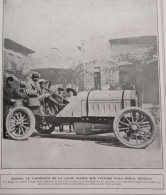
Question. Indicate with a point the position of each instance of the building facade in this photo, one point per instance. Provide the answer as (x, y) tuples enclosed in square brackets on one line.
[(16, 58), (128, 64)]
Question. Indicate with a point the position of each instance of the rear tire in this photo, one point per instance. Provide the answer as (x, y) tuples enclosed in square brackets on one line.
[(135, 127)]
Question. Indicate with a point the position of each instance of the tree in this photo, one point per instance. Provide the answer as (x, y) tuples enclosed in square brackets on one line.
[(133, 65)]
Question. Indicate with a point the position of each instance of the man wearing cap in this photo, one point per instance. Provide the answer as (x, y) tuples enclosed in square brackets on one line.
[(34, 91), (33, 85), (10, 96)]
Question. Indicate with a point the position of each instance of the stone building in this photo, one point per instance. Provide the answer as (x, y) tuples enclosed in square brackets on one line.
[(95, 53), (137, 62), (16, 58), (125, 63)]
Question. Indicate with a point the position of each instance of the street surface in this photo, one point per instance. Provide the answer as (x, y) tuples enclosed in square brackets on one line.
[(67, 150)]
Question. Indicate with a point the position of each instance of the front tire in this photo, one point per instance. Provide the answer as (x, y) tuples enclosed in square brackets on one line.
[(135, 127), (20, 123)]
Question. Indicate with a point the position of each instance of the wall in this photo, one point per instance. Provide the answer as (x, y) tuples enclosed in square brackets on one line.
[(16, 64), (137, 68)]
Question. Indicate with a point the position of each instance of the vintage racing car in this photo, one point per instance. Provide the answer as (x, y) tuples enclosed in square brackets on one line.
[(118, 109)]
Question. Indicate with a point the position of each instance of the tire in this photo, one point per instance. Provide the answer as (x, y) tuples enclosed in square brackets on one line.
[(135, 127), (44, 126), (20, 123)]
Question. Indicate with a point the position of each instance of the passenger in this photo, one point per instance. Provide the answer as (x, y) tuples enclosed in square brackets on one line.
[(42, 97), (71, 92), (10, 96), (22, 93), (53, 88), (42, 86), (61, 91), (61, 94)]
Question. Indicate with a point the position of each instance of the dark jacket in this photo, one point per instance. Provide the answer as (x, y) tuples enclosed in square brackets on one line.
[(24, 97), (8, 94)]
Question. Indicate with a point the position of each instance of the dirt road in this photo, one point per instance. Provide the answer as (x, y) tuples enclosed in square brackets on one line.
[(67, 150)]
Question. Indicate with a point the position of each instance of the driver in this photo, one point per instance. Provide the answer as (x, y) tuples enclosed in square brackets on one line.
[(34, 92), (33, 85)]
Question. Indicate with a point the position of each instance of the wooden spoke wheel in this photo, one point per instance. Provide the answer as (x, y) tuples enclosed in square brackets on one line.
[(135, 127), (44, 126), (20, 123)]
